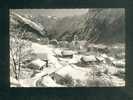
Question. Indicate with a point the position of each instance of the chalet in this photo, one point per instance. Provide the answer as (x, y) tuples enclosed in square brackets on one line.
[(47, 81), (98, 48), (55, 76), (88, 59), (37, 64), (67, 53)]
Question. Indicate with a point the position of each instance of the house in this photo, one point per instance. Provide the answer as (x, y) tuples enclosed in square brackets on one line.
[(47, 81), (37, 64), (55, 76)]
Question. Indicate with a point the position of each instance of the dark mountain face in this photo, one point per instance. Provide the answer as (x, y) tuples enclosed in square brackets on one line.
[(98, 25), (67, 27), (108, 25)]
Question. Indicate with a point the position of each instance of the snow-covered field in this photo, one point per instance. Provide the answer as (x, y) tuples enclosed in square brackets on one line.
[(63, 66)]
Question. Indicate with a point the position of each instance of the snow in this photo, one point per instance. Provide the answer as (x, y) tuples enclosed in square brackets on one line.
[(29, 22), (49, 16), (100, 58), (49, 82), (120, 62), (117, 81), (66, 66), (63, 70), (13, 80), (47, 50), (75, 73), (112, 70), (75, 59), (104, 55), (38, 62), (89, 58)]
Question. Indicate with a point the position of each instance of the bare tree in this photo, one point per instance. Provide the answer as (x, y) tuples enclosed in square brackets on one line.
[(19, 52)]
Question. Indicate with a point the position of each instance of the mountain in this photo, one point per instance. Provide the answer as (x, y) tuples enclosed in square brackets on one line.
[(21, 24), (67, 27), (97, 25), (106, 25)]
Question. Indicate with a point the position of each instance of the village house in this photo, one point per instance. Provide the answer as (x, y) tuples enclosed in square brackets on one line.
[(49, 82), (56, 76), (37, 64)]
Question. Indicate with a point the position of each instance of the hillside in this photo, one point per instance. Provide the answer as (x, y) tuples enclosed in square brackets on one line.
[(106, 26), (73, 72)]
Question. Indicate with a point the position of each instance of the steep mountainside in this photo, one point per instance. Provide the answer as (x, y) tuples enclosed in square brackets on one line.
[(97, 25), (107, 25)]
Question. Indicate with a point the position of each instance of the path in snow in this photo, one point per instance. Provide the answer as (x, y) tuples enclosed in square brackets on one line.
[(45, 49), (49, 51), (62, 66)]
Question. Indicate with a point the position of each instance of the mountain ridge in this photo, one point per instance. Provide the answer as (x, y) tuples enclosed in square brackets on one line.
[(107, 26)]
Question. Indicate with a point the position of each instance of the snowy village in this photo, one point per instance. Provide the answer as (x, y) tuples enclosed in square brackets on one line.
[(67, 47)]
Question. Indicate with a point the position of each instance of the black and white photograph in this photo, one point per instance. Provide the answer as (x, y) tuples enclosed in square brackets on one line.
[(67, 47)]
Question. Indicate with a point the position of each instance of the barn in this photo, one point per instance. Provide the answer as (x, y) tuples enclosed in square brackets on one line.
[(49, 82), (37, 64), (56, 76)]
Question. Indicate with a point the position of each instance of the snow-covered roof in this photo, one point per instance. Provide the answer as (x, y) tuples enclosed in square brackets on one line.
[(89, 58), (38, 62), (49, 82), (75, 73)]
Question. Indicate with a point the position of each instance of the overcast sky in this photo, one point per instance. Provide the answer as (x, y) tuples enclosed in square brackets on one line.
[(54, 12)]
